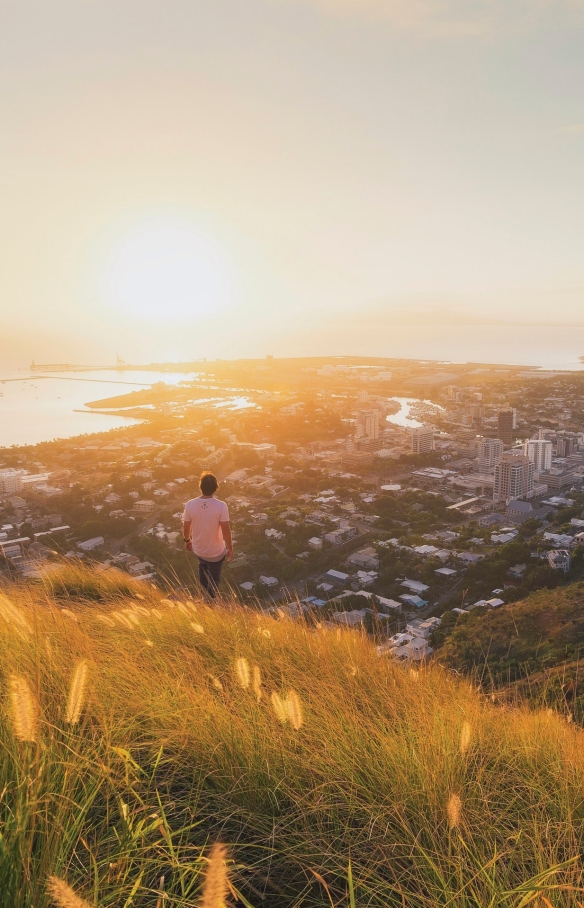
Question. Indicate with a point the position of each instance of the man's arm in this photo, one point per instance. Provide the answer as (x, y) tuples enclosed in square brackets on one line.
[(226, 530), (187, 534)]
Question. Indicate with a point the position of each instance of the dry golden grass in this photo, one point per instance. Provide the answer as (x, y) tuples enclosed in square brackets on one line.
[(436, 796)]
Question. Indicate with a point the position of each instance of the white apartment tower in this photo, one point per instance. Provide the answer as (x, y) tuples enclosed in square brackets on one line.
[(490, 451), (514, 475), (422, 439), (539, 450), (368, 424), (10, 481)]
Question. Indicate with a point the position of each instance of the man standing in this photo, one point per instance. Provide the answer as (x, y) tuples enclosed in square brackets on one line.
[(207, 533)]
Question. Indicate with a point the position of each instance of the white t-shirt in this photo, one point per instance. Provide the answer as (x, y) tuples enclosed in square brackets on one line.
[(205, 515)]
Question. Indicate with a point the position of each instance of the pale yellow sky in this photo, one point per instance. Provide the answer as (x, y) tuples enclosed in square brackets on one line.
[(186, 179)]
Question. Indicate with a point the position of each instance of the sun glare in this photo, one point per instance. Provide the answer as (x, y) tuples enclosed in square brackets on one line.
[(167, 270)]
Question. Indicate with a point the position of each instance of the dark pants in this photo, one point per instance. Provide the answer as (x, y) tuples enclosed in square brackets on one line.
[(210, 575)]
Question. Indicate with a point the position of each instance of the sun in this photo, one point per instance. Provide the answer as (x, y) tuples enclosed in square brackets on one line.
[(167, 269)]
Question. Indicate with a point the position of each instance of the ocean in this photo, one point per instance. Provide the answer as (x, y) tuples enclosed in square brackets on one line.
[(37, 407)]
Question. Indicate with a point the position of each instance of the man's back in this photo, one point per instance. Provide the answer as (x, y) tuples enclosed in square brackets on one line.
[(206, 514)]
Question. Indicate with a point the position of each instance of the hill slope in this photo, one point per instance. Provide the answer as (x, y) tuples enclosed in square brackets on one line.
[(331, 775), (526, 639)]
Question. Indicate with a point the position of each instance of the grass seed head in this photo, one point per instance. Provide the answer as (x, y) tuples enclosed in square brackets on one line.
[(76, 697), (216, 886), (63, 896), (453, 810), (69, 614), (294, 710), (242, 672), (25, 718), (198, 628), (257, 682), (465, 737), (280, 708)]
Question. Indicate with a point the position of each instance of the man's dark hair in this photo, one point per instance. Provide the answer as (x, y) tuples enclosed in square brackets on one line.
[(208, 483)]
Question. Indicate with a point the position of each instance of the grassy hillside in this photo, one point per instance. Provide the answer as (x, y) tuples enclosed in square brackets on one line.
[(526, 639), (136, 732)]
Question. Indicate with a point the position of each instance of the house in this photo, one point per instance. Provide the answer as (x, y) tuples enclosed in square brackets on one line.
[(90, 544), (502, 538), (111, 498), (325, 587), (414, 586), (489, 520), (469, 557), (559, 560), (247, 586), (413, 601), (389, 605), (517, 570), (445, 572), (350, 619), (365, 578), (144, 506), (315, 543), (559, 539), (141, 567), (485, 603), (336, 576), (337, 537), (366, 558), (414, 651), (274, 534), (579, 538), (423, 629), (268, 581)]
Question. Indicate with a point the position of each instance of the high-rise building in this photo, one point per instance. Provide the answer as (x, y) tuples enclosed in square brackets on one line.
[(490, 451), (566, 445), (514, 475), (10, 481), (368, 424), (422, 439), (506, 421), (539, 451)]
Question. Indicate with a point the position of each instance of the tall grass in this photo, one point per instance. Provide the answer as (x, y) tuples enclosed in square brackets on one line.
[(331, 776)]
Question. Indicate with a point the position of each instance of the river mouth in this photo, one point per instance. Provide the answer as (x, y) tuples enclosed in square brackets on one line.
[(412, 410)]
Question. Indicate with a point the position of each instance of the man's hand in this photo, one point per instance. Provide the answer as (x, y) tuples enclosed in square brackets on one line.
[(188, 545), (229, 554)]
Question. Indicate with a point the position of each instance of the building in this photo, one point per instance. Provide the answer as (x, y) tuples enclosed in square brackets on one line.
[(422, 439), (506, 421), (539, 450), (514, 477), (90, 544), (368, 424), (143, 506), (559, 560), (559, 478), (10, 481), (566, 445), (490, 451)]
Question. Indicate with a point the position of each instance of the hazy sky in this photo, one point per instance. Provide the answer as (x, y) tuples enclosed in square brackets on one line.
[(237, 177)]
